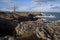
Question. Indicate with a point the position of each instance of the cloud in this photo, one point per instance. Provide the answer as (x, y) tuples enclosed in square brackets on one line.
[(23, 8), (9, 4), (5, 1), (42, 1), (56, 6), (33, 6), (43, 8)]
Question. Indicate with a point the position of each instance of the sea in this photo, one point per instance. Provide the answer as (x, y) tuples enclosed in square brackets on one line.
[(55, 14)]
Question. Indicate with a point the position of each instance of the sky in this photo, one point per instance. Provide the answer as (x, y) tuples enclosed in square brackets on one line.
[(31, 5)]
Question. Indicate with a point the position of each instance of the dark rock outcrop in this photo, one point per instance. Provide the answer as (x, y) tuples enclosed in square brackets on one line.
[(7, 27), (29, 18)]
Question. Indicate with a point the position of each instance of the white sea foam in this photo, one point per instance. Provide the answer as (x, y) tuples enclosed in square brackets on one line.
[(42, 13), (51, 16)]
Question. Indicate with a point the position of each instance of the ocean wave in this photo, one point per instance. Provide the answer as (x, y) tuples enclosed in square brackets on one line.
[(42, 13), (51, 16)]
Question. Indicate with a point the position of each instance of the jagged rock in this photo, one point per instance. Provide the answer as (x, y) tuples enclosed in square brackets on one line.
[(29, 28)]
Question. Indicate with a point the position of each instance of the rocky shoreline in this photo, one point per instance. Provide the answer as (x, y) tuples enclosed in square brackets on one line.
[(17, 27)]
